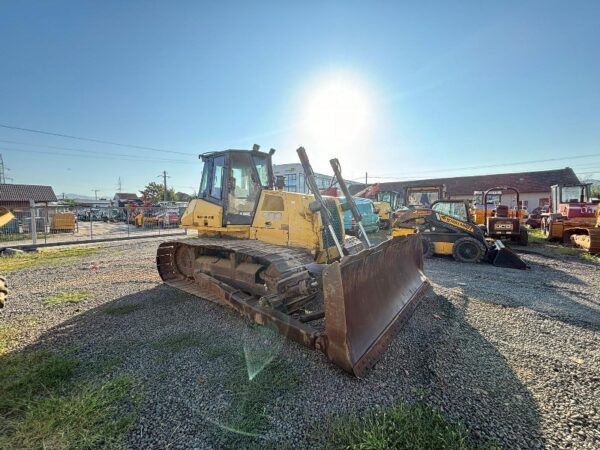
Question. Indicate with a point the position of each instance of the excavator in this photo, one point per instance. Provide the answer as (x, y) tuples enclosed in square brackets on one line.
[(282, 260), (5, 217)]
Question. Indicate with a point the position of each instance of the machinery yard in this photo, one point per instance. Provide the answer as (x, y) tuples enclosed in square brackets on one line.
[(512, 354)]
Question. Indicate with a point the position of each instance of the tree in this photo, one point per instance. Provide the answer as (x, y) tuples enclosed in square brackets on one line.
[(154, 193), (596, 190)]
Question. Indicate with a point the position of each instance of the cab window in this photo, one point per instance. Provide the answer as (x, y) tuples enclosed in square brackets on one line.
[(216, 186), (454, 209)]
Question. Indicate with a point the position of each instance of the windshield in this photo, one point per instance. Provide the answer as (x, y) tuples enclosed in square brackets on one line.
[(262, 167), (422, 197), (573, 194)]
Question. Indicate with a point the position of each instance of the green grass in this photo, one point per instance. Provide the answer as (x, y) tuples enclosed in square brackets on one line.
[(402, 427), (67, 297), (119, 310), (537, 238), (43, 405), (43, 257), (179, 342)]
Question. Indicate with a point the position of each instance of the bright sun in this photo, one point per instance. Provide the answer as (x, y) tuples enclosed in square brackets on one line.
[(337, 112)]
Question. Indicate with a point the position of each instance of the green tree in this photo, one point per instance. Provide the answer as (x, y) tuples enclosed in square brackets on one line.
[(155, 192), (596, 190)]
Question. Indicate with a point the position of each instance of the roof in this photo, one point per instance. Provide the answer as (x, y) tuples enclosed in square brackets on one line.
[(26, 192), (126, 196), (523, 181)]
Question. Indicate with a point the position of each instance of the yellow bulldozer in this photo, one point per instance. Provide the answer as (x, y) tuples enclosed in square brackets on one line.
[(282, 259), (5, 217)]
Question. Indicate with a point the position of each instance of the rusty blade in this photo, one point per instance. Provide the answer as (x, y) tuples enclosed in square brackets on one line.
[(368, 296)]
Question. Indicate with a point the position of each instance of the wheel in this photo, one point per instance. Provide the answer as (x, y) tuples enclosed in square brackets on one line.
[(3, 291), (523, 237), (468, 250), (427, 247)]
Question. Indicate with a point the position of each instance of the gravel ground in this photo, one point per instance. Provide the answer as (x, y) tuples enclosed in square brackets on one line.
[(513, 354)]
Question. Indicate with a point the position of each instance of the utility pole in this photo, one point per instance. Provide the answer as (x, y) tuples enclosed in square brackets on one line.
[(366, 178), (119, 185), (2, 177), (164, 177), (95, 191)]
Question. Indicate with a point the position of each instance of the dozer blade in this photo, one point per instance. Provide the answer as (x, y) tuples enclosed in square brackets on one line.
[(502, 256), (368, 296), (586, 238)]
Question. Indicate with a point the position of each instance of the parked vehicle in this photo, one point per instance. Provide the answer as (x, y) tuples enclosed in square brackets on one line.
[(370, 218)]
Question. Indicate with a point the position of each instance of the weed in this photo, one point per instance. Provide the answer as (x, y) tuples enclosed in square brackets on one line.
[(591, 258), (536, 237), (43, 257), (67, 297), (402, 427), (119, 310), (178, 342), (43, 406)]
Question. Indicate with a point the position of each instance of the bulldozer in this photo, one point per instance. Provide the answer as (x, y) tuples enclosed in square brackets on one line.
[(5, 217), (447, 228), (282, 260), (587, 238)]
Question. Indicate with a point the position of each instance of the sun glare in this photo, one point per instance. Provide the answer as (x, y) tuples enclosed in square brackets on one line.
[(337, 112)]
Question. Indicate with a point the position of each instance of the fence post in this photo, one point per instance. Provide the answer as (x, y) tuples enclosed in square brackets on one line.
[(32, 226), (91, 225)]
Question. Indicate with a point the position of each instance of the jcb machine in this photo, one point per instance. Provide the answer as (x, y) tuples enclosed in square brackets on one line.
[(502, 224), (281, 259), (448, 229)]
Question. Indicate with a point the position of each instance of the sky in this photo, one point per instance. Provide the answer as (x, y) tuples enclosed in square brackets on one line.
[(399, 90)]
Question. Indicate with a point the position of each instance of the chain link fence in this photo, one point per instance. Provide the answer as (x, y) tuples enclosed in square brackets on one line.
[(57, 224)]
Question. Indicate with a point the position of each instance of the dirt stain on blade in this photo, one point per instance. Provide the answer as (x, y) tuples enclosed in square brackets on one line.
[(368, 297)]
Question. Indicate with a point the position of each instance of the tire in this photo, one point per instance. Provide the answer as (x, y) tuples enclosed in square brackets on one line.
[(523, 237), (427, 248), (3, 291), (468, 250)]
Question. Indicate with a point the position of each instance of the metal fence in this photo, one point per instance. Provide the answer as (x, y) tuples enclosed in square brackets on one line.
[(57, 224)]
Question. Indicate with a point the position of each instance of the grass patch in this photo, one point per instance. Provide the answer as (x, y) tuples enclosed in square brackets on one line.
[(8, 335), (591, 258), (119, 310), (67, 297), (42, 405), (179, 342), (44, 257), (536, 237), (402, 427)]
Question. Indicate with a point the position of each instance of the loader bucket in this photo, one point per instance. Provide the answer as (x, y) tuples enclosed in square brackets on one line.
[(502, 256), (5, 216), (368, 296)]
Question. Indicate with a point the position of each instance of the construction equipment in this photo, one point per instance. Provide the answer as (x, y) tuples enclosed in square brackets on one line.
[(587, 238), (281, 259), (571, 207), (485, 203), (417, 196), (448, 229), (501, 224), (5, 216), (385, 202)]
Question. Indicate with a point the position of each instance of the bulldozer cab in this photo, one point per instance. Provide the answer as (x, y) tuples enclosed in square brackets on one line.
[(234, 179), (578, 193), (423, 196)]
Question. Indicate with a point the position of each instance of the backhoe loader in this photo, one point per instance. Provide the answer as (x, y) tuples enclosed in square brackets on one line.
[(282, 259)]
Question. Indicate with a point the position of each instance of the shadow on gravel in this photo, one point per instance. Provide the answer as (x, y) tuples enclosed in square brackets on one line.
[(189, 355), (552, 292)]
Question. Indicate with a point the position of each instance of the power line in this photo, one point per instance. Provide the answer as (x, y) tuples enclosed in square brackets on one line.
[(112, 158), (83, 150), (100, 141)]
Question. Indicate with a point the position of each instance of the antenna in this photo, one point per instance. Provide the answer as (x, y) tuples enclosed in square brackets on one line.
[(119, 185), (95, 191)]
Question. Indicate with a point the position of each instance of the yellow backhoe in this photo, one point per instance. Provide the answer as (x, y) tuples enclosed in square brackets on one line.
[(282, 259)]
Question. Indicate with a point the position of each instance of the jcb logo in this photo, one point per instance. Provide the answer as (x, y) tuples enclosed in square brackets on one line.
[(503, 226)]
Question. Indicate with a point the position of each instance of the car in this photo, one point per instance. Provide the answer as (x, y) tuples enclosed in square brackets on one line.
[(370, 218)]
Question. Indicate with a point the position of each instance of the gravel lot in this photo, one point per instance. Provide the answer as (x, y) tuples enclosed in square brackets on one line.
[(513, 354)]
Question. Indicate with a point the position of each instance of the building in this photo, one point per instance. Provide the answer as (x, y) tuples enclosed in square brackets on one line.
[(533, 187), (20, 196), (295, 180), (122, 199)]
